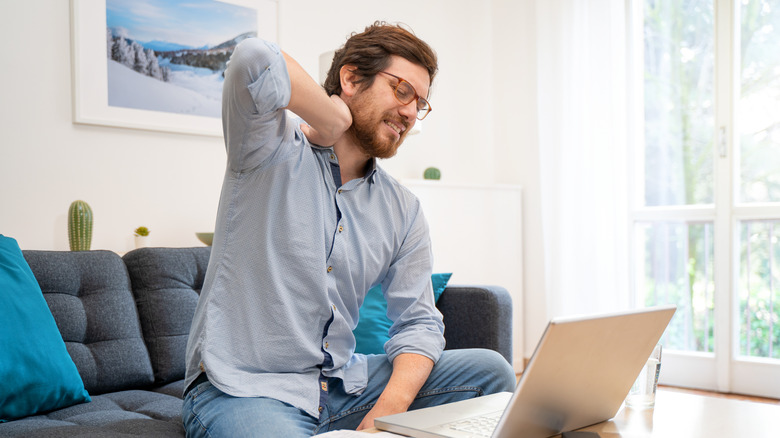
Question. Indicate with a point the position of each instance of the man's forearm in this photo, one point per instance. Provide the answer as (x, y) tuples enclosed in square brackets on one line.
[(328, 116), (410, 371)]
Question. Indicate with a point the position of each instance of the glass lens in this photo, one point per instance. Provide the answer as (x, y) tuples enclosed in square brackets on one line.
[(758, 111), (674, 265), (404, 92), (679, 102), (422, 105)]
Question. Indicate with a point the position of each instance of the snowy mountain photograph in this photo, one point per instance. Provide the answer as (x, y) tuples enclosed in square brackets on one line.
[(170, 55)]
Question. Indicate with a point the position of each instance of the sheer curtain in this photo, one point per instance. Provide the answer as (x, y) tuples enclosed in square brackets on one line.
[(581, 62)]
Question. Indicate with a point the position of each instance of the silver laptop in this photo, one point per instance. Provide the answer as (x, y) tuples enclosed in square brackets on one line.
[(579, 375)]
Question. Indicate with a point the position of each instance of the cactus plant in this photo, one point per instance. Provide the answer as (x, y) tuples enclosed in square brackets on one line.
[(142, 231), (432, 173), (79, 226)]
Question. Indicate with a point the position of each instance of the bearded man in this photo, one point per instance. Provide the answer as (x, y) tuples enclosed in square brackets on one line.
[(307, 224)]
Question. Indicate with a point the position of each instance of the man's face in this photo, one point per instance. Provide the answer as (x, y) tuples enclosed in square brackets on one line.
[(380, 123)]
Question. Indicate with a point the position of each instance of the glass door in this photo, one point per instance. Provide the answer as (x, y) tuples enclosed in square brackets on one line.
[(707, 187), (757, 205)]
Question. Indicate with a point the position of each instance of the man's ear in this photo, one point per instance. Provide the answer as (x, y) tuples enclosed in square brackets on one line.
[(348, 78)]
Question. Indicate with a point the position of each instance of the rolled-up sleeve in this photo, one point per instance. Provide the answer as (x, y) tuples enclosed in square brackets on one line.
[(256, 87), (417, 323)]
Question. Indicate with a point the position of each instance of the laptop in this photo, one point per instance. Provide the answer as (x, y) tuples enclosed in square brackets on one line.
[(579, 375)]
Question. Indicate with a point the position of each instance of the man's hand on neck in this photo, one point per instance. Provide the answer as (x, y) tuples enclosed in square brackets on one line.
[(329, 134)]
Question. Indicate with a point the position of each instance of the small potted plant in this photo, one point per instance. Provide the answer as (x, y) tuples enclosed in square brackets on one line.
[(141, 237), (432, 173)]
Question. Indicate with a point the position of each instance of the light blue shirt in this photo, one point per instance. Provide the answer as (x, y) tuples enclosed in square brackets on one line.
[(292, 252)]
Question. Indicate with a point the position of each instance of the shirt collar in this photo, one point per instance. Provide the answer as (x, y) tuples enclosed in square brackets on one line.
[(371, 171), (371, 167)]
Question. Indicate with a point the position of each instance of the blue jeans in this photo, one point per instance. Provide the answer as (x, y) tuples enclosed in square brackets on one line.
[(458, 375)]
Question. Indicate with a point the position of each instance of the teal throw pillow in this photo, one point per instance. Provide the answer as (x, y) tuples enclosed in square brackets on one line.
[(36, 371), (373, 327)]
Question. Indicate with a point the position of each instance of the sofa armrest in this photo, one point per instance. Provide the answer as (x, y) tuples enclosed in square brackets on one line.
[(477, 317)]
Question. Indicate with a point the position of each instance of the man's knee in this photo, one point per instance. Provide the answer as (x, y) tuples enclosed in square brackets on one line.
[(494, 364), (480, 367)]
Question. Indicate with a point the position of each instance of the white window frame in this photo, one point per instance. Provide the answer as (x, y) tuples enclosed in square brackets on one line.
[(724, 369)]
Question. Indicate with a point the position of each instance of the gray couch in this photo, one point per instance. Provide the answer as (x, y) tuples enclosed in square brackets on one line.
[(125, 322)]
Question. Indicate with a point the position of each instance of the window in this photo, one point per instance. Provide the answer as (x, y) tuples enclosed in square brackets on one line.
[(707, 199)]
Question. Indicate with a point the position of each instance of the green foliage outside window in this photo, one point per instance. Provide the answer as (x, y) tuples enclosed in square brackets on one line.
[(679, 169)]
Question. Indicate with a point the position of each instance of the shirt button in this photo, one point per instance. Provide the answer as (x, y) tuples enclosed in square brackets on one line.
[(332, 157), (340, 191), (320, 409), (326, 345), (341, 228), (330, 268)]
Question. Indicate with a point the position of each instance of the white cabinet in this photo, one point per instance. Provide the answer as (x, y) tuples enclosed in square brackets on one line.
[(476, 232)]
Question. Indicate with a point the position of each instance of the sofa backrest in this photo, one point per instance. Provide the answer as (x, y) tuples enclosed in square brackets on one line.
[(166, 283), (88, 293)]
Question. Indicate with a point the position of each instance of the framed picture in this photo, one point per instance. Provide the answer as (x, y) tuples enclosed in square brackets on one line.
[(158, 64)]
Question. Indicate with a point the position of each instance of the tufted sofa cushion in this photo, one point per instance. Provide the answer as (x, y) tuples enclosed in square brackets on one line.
[(166, 283), (120, 414), (89, 295)]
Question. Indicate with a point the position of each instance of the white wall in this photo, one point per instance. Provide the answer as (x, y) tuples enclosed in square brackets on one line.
[(482, 129), (517, 146), (167, 182)]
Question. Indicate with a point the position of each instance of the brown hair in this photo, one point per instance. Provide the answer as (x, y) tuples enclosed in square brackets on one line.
[(370, 53)]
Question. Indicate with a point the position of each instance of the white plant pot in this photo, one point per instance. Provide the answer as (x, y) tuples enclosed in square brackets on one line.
[(141, 241)]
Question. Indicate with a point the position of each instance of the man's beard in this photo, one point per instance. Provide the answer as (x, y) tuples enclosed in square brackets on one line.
[(365, 130)]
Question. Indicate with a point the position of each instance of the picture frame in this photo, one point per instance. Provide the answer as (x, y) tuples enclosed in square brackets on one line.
[(90, 52)]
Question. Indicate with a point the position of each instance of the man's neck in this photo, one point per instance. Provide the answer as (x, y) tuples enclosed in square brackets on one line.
[(352, 159)]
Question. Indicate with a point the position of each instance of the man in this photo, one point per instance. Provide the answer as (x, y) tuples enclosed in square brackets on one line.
[(307, 223)]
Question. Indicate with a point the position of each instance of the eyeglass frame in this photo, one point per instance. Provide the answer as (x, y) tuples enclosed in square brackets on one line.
[(416, 97)]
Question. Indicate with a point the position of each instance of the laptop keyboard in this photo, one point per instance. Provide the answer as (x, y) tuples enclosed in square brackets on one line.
[(482, 426)]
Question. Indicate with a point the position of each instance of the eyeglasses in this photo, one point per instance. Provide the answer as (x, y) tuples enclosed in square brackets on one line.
[(404, 93)]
